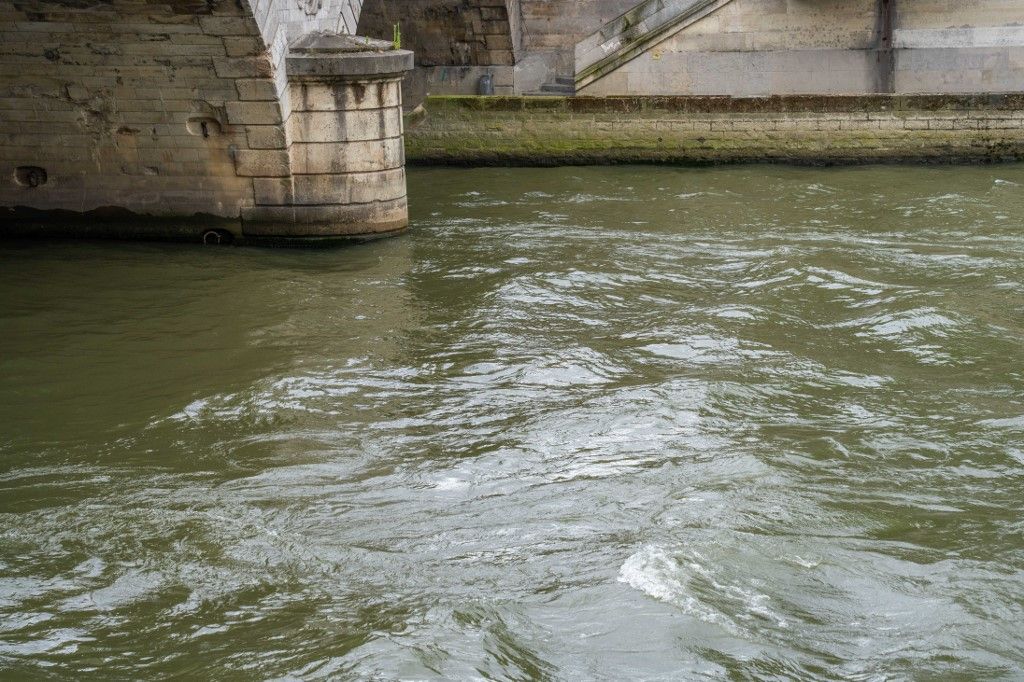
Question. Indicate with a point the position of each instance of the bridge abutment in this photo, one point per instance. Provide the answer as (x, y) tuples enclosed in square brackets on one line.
[(160, 119)]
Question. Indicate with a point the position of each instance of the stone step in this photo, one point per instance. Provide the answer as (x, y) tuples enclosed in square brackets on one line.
[(558, 88)]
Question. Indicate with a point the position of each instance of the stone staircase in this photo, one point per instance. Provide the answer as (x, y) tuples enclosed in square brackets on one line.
[(633, 33)]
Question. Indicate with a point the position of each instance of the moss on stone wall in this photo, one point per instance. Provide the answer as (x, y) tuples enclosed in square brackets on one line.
[(705, 130)]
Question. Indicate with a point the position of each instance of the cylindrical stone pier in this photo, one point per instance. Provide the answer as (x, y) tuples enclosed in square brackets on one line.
[(346, 151)]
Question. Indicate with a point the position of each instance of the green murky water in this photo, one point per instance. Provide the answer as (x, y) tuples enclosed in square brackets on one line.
[(619, 423)]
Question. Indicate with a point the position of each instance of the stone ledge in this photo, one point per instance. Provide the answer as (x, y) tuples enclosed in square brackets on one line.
[(321, 56), (726, 104)]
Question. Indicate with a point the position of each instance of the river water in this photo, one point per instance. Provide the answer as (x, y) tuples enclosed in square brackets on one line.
[(589, 423)]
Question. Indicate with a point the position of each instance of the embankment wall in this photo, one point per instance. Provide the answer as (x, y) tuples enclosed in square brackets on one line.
[(706, 130)]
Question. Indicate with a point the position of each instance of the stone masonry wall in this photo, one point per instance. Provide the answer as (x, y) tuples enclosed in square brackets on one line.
[(702, 130), (455, 42), (743, 47), (458, 41), (761, 47), (444, 32), (959, 46), (551, 30), (153, 107)]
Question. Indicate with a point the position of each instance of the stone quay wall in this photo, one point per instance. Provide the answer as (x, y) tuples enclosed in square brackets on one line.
[(716, 47), (776, 47), (804, 129)]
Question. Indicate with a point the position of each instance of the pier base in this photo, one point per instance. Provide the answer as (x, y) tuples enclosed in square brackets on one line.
[(346, 158)]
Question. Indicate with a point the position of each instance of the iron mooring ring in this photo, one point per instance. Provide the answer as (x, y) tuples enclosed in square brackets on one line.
[(216, 237)]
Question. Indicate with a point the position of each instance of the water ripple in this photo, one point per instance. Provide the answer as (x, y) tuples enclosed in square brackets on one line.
[(619, 423)]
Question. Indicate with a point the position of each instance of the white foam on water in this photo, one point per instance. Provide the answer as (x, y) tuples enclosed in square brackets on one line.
[(671, 577), (657, 574), (451, 483), (912, 321), (585, 198), (1008, 423), (91, 568), (734, 314), (802, 562), (124, 591), (62, 641)]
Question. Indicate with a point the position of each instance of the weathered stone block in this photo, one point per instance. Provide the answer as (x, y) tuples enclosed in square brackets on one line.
[(347, 157), (345, 126), (266, 137), (498, 42), (253, 113), (312, 96), (244, 46), (244, 67), (262, 163), (349, 188), (260, 89), (228, 26)]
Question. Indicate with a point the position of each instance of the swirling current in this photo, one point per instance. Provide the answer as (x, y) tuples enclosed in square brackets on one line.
[(752, 423)]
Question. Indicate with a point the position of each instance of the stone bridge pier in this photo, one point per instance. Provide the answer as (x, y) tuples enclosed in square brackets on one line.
[(256, 121)]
